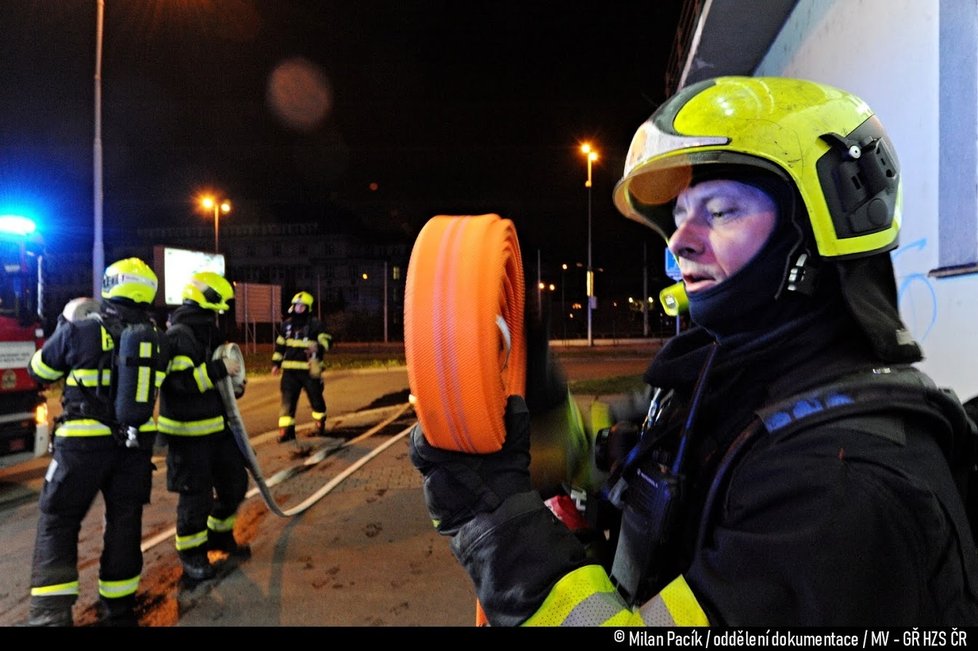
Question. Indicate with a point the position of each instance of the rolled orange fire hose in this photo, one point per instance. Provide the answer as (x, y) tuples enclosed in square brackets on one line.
[(464, 340), (466, 348)]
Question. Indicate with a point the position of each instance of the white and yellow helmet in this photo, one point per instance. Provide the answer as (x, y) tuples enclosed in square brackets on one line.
[(130, 279)]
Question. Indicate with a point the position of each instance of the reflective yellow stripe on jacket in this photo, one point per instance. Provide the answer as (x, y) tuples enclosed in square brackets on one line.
[(204, 383), (586, 597), (89, 377), (203, 380), (87, 427), (83, 427), (191, 428), (42, 370)]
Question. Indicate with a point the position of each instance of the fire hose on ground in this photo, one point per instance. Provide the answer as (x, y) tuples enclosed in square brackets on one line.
[(231, 388)]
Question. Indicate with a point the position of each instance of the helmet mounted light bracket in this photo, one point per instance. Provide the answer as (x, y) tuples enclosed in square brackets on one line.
[(865, 182)]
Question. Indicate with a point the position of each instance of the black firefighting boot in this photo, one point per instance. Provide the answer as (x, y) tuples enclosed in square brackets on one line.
[(51, 611), (119, 611), (223, 541), (286, 434), (320, 427), (196, 566)]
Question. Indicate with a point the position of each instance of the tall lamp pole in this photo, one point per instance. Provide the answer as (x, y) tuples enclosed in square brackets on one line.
[(563, 303), (210, 203), (98, 253), (592, 155)]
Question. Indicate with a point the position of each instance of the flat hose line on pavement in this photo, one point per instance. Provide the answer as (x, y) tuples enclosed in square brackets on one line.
[(314, 459), (319, 456), (464, 340), (226, 388)]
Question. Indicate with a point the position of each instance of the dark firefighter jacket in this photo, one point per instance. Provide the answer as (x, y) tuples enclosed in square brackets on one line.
[(82, 352), (190, 404), (854, 520), (298, 335)]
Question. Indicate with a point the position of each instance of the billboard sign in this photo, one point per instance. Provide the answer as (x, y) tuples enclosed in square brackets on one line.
[(175, 267)]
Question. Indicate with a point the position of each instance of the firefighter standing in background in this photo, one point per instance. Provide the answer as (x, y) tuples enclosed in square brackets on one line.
[(92, 454), (299, 348), (204, 464)]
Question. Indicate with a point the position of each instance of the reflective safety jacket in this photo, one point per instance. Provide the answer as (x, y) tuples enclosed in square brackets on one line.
[(81, 353), (190, 404), (839, 510), (302, 340)]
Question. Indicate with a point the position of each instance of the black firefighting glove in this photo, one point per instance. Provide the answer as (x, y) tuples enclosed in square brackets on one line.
[(458, 486)]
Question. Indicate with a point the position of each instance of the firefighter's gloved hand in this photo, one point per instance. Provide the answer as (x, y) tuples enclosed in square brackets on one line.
[(458, 486)]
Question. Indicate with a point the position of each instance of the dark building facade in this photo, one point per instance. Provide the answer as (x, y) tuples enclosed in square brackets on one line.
[(357, 279)]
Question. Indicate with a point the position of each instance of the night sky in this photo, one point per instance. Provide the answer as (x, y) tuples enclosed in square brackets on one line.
[(381, 113)]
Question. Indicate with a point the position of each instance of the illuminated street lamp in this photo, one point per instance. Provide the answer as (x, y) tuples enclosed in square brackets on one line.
[(591, 155), (207, 202)]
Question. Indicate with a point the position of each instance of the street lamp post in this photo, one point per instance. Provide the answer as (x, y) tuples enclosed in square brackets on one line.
[(98, 250), (563, 302), (592, 155), (210, 203)]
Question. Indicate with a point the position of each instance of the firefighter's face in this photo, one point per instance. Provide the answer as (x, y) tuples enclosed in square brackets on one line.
[(720, 226), (299, 308)]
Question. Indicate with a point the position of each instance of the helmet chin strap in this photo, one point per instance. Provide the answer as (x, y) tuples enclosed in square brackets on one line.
[(802, 275)]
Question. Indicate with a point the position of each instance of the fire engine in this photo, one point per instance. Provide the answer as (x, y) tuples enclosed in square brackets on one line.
[(24, 427)]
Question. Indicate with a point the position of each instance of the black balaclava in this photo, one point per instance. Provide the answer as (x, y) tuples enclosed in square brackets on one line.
[(753, 298), (299, 318), (124, 309)]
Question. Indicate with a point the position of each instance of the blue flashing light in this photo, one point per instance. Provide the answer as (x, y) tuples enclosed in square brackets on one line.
[(17, 225)]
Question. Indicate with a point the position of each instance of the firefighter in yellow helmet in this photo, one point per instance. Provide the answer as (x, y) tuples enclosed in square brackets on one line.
[(300, 345), (791, 467), (203, 464), (103, 443)]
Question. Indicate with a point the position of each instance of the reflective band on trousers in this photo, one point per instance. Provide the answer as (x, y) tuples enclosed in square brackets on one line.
[(57, 590), (190, 541), (116, 589), (222, 526)]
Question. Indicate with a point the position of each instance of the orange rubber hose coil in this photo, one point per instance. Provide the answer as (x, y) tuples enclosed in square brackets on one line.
[(464, 340)]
